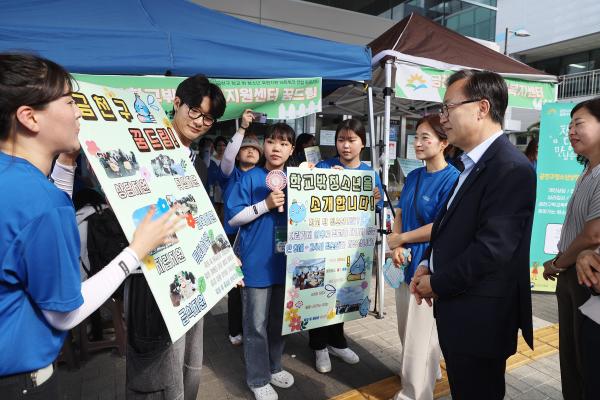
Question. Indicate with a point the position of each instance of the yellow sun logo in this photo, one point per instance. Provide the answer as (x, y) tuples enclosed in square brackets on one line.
[(416, 82)]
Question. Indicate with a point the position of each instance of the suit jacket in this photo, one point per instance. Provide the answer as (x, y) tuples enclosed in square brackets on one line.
[(480, 251)]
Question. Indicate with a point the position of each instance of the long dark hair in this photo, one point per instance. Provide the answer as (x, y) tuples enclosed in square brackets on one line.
[(28, 80), (532, 149)]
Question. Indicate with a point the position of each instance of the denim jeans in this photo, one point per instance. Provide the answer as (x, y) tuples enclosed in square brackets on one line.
[(263, 344)]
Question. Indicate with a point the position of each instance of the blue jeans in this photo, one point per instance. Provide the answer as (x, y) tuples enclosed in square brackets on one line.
[(263, 344)]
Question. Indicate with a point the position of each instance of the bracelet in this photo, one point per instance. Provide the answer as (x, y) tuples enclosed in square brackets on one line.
[(554, 267)]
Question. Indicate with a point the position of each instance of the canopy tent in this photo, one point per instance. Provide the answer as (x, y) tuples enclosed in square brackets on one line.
[(417, 45), (154, 37), (417, 55)]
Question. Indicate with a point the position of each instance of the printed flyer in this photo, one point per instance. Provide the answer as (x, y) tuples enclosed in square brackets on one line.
[(138, 160), (329, 249)]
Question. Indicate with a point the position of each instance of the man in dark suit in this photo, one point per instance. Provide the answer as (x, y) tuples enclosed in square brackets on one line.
[(476, 269)]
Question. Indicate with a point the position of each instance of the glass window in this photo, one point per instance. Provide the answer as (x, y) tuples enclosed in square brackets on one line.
[(464, 17), (574, 63)]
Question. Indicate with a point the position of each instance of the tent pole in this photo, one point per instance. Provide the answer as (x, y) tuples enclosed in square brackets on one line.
[(372, 128), (387, 93), (375, 165)]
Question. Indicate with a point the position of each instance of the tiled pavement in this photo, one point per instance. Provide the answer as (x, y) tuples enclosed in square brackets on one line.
[(375, 340)]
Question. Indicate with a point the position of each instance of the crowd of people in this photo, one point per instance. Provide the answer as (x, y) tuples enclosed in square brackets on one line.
[(465, 216)]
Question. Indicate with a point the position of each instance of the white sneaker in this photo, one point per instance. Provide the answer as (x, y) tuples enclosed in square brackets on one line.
[(265, 393), (236, 340), (345, 354), (282, 379), (323, 363)]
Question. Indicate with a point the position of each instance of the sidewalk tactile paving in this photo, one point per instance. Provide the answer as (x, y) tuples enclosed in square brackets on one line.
[(544, 339)]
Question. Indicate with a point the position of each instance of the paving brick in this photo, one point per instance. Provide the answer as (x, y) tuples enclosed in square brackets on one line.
[(532, 395), (523, 371), (375, 340)]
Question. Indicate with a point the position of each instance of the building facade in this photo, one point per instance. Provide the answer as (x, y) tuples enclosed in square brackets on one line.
[(564, 41), (360, 21)]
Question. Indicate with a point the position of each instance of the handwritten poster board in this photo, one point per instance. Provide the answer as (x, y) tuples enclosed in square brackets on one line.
[(138, 160), (329, 249)]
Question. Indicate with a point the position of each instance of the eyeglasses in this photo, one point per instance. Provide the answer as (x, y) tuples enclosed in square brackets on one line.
[(445, 111), (207, 120)]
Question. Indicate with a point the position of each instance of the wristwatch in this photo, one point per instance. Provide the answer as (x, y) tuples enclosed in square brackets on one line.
[(554, 267)]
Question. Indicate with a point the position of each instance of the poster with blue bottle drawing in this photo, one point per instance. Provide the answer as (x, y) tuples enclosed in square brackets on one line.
[(139, 161), (329, 250)]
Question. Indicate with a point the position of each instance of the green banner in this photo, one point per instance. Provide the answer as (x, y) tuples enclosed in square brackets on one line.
[(329, 249), (557, 172), (429, 84), (278, 98)]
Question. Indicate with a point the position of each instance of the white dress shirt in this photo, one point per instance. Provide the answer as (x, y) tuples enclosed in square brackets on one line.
[(469, 160)]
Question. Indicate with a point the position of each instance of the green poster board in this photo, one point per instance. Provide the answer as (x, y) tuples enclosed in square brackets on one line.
[(557, 172)]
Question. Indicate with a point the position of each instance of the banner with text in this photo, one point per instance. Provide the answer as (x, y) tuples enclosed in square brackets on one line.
[(429, 84), (331, 235), (278, 98), (557, 172), (138, 160)]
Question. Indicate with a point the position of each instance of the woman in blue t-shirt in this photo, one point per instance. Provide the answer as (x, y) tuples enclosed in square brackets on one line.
[(425, 192), (41, 294), (350, 139), (263, 231)]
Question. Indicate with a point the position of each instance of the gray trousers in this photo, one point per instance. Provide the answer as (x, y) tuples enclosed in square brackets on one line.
[(263, 343), (570, 296), (165, 372)]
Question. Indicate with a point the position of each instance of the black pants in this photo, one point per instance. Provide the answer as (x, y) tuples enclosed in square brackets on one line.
[(570, 296), (475, 378), (332, 335), (234, 305), (20, 386), (590, 343), (234, 311)]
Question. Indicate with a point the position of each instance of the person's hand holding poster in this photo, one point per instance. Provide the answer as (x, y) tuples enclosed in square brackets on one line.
[(139, 162), (329, 249)]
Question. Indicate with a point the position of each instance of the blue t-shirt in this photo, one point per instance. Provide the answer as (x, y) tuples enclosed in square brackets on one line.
[(227, 184), (434, 189), (39, 265), (362, 167), (213, 175), (261, 264)]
